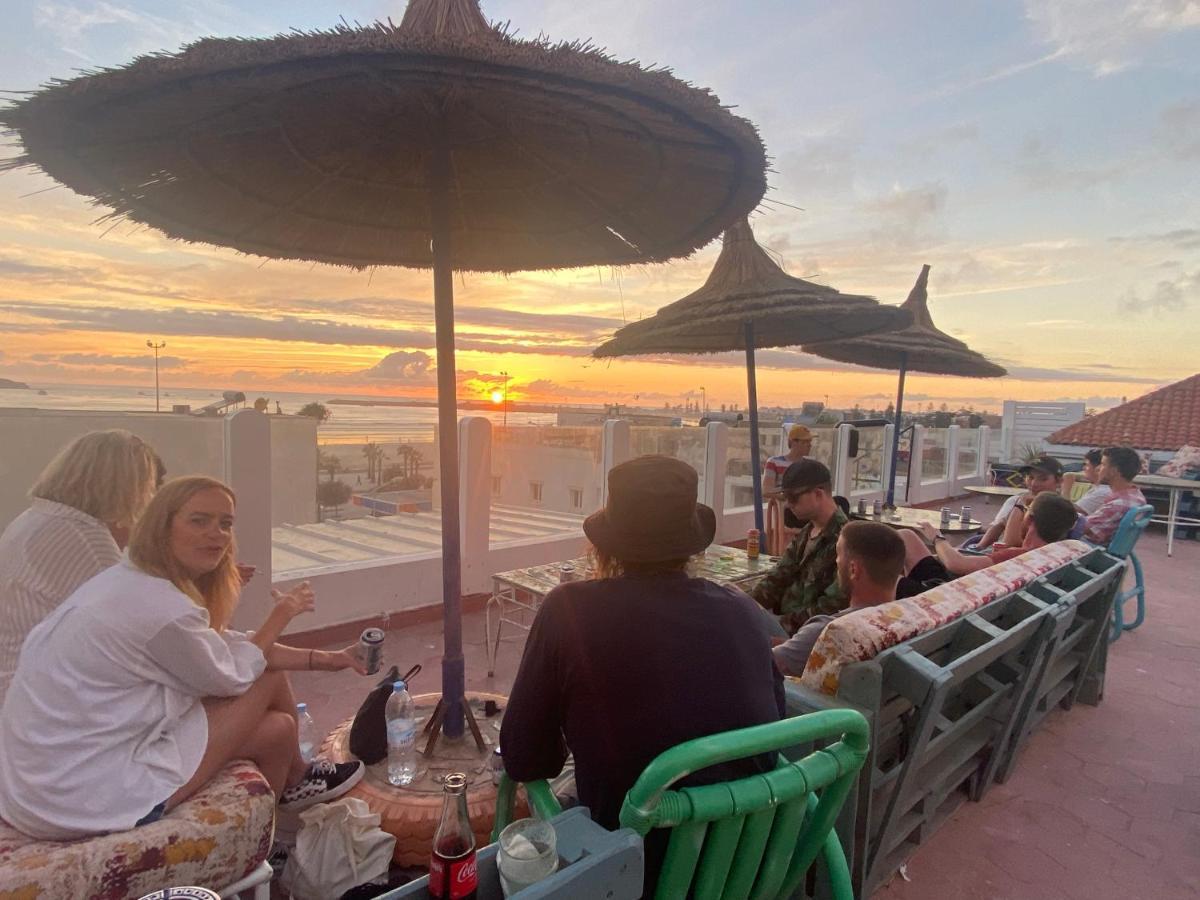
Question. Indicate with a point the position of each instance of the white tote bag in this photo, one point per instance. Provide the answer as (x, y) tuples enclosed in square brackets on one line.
[(339, 846)]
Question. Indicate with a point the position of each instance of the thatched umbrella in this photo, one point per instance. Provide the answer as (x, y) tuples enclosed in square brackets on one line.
[(440, 143), (921, 346), (747, 302)]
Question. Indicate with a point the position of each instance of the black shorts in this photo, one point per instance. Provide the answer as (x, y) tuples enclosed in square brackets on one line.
[(927, 573)]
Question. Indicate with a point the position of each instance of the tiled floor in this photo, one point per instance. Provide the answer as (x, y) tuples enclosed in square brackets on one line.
[(1105, 802)]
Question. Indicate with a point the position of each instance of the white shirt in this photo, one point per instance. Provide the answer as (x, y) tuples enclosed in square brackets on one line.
[(1094, 499), (45, 554), (1005, 509), (103, 719)]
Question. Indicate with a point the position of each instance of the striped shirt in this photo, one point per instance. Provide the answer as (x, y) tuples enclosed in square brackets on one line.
[(45, 554)]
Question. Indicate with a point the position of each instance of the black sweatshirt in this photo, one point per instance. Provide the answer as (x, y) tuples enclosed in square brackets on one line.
[(625, 668)]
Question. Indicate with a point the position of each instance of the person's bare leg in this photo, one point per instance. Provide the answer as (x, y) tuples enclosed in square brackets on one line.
[(251, 726), (915, 549)]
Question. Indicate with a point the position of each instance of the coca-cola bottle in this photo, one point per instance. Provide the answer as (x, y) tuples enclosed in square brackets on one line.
[(452, 874)]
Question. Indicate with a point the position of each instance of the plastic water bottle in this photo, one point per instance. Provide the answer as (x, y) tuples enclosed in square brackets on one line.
[(401, 735), (308, 732)]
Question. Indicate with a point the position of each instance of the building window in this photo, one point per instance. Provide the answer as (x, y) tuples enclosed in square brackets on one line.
[(576, 497), (495, 485), (535, 491)]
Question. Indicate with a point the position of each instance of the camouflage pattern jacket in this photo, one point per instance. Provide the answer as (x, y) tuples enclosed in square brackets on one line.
[(804, 583)]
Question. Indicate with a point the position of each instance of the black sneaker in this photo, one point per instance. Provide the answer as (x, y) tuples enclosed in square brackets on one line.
[(324, 781)]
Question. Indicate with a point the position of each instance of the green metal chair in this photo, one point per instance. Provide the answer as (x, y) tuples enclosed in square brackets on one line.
[(753, 837)]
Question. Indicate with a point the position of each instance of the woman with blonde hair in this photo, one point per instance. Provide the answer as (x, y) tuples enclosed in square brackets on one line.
[(135, 692), (84, 504)]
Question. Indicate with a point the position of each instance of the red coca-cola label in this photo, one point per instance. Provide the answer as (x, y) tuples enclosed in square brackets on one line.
[(453, 879)]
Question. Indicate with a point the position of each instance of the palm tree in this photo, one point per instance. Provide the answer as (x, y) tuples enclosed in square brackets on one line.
[(372, 452), (406, 452), (415, 459), (330, 463)]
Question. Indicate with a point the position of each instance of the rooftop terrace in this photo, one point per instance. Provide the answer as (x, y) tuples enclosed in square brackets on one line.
[(1104, 803)]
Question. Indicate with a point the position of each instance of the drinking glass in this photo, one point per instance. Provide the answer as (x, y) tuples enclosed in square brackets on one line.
[(528, 853)]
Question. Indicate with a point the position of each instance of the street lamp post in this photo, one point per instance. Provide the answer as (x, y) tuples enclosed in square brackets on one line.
[(156, 347), (504, 375), (703, 401)]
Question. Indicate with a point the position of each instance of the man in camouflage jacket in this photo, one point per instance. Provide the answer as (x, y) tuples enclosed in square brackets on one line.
[(804, 583)]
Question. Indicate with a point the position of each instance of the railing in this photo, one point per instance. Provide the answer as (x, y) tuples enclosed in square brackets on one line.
[(412, 577)]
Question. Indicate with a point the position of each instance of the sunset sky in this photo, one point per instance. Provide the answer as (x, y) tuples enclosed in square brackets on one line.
[(1042, 157)]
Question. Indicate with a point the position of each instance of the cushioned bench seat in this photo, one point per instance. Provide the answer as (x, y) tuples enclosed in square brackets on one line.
[(214, 839)]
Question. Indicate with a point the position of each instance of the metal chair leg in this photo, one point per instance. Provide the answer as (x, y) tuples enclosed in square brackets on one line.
[(1139, 590)]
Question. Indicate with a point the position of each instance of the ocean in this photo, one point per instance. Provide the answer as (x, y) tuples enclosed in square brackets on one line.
[(348, 424)]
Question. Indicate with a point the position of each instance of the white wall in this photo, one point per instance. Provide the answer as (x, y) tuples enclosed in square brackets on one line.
[(1031, 422), (188, 445)]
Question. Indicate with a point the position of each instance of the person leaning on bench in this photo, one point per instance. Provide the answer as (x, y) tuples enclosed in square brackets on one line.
[(804, 582), (1051, 518), (870, 562)]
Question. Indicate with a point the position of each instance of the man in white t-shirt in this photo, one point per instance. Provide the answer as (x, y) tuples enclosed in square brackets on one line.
[(1042, 473), (1098, 495)]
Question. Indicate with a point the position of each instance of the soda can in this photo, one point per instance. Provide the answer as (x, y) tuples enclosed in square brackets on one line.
[(945, 515), (372, 649), (965, 515), (565, 574), (862, 506), (877, 508)]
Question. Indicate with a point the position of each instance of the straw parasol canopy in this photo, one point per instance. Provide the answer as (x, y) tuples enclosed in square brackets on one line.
[(919, 347), (746, 286), (317, 146), (442, 142), (749, 302)]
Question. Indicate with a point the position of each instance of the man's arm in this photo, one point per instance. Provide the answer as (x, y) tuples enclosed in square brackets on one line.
[(1014, 527), (956, 563), (768, 593), (531, 738), (792, 655)]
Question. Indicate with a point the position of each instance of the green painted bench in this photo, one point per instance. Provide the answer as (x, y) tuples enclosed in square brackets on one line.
[(950, 706)]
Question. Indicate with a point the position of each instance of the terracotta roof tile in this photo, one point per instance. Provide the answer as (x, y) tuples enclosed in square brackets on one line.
[(1165, 419)]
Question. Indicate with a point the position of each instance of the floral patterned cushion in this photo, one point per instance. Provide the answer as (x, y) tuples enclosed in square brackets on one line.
[(212, 840), (864, 634)]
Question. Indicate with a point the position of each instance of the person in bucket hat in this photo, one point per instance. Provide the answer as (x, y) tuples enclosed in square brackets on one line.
[(620, 667)]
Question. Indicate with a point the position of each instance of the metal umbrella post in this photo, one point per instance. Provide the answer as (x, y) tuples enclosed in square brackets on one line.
[(891, 489)]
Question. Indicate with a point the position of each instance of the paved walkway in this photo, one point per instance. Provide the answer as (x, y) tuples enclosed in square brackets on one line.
[(1105, 802)]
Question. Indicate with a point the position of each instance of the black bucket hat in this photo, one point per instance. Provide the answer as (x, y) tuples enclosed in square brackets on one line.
[(652, 514)]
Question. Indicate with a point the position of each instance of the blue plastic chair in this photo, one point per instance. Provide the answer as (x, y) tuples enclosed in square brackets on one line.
[(1121, 546)]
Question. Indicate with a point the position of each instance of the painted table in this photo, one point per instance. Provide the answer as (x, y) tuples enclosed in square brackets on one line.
[(520, 592)]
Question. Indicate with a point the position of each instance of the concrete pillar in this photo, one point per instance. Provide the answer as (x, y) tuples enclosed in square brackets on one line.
[(615, 448), (842, 464), (885, 468), (475, 498), (712, 479), (916, 460), (985, 450), (952, 475), (247, 470)]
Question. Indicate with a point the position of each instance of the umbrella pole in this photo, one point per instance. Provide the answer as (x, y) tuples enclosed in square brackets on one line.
[(755, 462), (891, 488), (453, 665)]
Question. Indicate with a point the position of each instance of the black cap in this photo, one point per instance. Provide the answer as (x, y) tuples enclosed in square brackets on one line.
[(1044, 463), (805, 474)]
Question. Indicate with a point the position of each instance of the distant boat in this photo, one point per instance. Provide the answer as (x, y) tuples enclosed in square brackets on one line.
[(41, 393)]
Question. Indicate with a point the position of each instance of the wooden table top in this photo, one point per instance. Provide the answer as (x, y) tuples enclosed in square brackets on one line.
[(909, 517), (1164, 481), (994, 490), (724, 565)]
